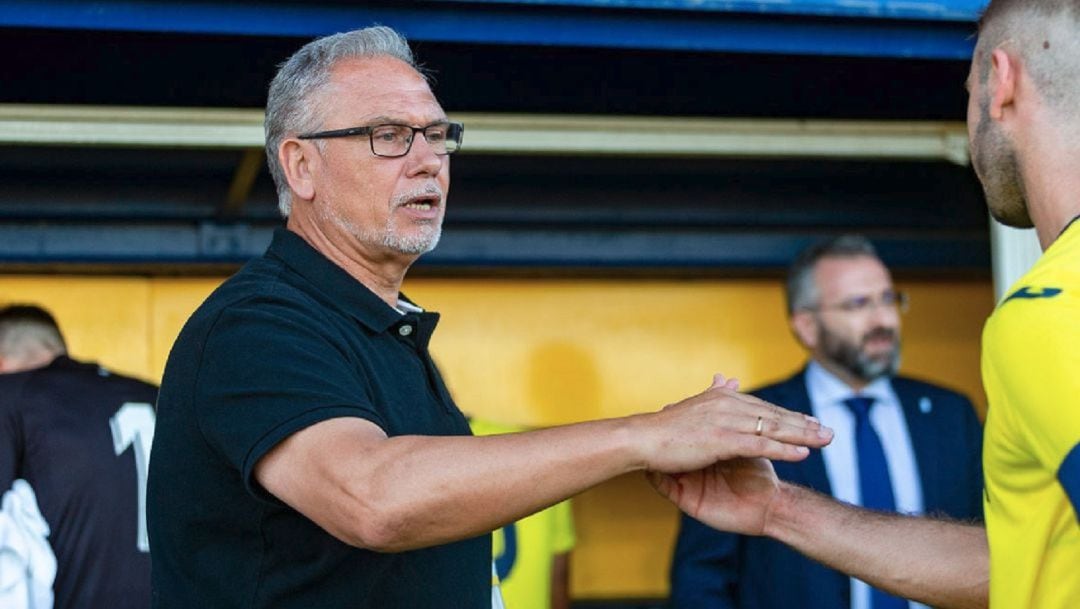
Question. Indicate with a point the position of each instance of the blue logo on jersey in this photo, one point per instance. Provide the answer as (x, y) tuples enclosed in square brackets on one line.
[(504, 563), (1028, 294)]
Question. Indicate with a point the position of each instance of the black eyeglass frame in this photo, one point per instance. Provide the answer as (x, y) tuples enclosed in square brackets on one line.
[(455, 131)]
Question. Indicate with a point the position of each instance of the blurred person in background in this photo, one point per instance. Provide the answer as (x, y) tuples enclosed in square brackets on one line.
[(900, 445), (80, 437)]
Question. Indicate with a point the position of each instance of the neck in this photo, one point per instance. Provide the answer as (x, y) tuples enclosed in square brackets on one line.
[(380, 272), (1051, 176), (30, 360)]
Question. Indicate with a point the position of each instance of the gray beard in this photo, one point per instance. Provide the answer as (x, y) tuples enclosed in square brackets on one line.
[(413, 245), (388, 237)]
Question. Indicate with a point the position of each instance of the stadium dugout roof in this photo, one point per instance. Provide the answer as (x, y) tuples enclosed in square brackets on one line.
[(704, 135), (873, 28)]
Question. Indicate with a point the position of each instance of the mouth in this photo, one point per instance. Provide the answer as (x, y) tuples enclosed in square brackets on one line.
[(424, 202)]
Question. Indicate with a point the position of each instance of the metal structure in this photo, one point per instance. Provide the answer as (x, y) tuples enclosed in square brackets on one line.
[(647, 135)]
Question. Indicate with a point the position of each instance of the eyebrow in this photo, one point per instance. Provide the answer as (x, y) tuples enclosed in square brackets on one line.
[(382, 119)]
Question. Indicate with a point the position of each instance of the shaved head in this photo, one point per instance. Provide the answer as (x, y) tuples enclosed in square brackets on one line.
[(29, 338), (1039, 43), (1046, 36)]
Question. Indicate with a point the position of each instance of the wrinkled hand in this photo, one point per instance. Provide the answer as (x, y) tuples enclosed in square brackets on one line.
[(720, 424), (735, 495)]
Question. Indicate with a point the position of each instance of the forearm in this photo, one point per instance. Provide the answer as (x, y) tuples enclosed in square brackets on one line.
[(431, 490), (940, 563), (404, 492)]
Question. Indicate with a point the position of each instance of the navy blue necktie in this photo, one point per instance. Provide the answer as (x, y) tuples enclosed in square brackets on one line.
[(875, 483)]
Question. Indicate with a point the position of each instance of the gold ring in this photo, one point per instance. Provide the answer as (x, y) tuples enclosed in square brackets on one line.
[(760, 426)]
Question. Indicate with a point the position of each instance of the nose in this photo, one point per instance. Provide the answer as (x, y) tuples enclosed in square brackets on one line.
[(422, 158), (887, 315)]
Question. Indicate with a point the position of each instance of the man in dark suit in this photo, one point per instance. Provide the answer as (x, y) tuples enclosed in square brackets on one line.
[(900, 444)]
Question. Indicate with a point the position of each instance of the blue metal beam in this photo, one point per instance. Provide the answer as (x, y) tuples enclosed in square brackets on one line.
[(947, 10), (559, 23), (29, 244)]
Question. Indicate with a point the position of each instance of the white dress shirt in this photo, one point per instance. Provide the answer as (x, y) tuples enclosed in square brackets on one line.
[(827, 395)]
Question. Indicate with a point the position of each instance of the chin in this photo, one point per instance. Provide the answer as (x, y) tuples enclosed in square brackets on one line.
[(1016, 217)]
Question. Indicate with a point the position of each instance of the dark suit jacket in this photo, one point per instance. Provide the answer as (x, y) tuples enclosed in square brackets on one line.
[(711, 569)]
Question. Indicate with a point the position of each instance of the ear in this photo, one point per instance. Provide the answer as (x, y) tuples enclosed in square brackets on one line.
[(805, 328), (297, 160), (1004, 70)]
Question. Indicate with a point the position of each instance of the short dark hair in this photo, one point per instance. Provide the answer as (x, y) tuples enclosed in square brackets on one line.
[(800, 288)]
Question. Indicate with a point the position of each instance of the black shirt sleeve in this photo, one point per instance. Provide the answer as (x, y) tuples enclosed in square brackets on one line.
[(269, 369)]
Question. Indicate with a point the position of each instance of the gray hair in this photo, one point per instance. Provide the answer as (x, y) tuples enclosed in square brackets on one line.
[(28, 328), (800, 287), (289, 106)]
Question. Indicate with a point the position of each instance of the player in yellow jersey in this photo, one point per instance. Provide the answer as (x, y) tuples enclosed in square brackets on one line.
[(1024, 130), (1031, 370), (532, 555)]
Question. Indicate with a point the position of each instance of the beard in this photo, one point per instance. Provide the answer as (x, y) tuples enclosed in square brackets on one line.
[(853, 357), (416, 244), (388, 237), (994, 159)]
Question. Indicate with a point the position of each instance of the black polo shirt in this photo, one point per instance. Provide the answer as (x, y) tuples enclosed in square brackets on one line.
[(289, 341), (80, 436)]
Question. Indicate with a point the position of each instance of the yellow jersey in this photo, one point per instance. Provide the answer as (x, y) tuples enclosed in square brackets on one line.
[(1031, 450), (524, 550)]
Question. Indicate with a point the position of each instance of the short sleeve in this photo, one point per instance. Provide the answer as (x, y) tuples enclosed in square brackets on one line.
[(269, 369), (1033, 357)]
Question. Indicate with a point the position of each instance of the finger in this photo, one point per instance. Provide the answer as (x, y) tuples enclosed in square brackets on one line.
[(748, 405), (732, 384), (718, 380), (798, 433), (764, 446), (791, 432)]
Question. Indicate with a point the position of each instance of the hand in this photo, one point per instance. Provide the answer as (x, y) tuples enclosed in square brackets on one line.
[(735, 495), (721, 424)]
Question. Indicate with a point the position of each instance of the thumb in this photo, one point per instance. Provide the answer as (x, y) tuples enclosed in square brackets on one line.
[(664, 484)]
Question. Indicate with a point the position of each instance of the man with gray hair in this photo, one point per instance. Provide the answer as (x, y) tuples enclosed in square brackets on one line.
[(1024, 130), (901, 445), (308, 453)]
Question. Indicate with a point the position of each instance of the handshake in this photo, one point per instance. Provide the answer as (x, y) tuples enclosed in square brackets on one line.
[(708, 454)]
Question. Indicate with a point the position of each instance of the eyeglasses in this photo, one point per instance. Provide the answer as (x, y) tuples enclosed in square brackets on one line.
[(864, 304), (393, 140)]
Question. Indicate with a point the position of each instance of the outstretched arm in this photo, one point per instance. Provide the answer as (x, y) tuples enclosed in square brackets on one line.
[(940, 563), (405, 492)]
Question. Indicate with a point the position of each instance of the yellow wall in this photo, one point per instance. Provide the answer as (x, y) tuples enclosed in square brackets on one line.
[(545, 351)]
